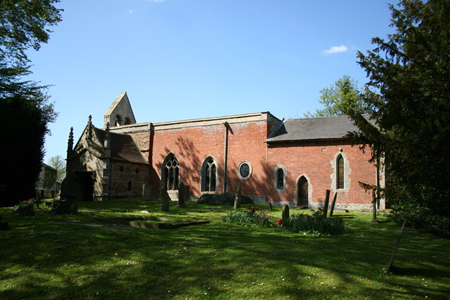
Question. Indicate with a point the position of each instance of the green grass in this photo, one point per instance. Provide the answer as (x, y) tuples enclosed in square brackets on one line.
[(55, 257)]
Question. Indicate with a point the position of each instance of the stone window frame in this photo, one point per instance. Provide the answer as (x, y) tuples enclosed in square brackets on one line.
[(209, 161), (347, 172), (171, 172), (250, 170), (297, 191), (276, 171)]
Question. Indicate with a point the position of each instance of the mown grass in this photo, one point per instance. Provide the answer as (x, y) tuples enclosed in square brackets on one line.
[(56, 257)]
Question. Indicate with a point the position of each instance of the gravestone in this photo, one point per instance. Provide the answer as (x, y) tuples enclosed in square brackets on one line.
[(182, 194), (165, 199), (237, 197), (327, 201), (285, 213), (64, 207), (333, 204)]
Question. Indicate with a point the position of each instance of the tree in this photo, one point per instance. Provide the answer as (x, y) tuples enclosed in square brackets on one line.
[(409, 99), (339, 99), (59, 164), (24, 108)]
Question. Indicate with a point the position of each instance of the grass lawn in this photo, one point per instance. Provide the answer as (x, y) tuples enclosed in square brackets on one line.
[(73, 257)]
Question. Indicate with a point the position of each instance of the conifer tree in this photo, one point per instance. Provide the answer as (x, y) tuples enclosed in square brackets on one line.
[(408, 94)]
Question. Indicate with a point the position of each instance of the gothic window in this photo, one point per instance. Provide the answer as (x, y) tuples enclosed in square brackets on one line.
[(340, 172), (280, 179), (209, 175), (171, 172)]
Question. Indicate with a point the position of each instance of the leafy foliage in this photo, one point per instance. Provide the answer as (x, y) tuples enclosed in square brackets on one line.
[(339, 99), (23, 26), (315, 224), (59, 164), (25, 208), (251, 217), (408, 96)]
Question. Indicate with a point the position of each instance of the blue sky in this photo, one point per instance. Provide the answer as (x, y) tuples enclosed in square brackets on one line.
[(185, 59)]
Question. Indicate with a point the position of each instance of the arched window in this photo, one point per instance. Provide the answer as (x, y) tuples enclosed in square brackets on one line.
[(279, 175), (280, 179), (127, 121), (209, 175), (118, 121), (171, 172), (340, 172)]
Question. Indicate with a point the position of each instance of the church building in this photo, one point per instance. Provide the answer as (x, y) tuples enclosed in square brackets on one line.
[(276, 161)]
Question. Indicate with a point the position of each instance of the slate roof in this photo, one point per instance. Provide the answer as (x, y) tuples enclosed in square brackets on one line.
[(310, 129), (123, 147)]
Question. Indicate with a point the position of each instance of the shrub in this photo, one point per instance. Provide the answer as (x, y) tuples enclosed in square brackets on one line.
[(64, 207), (25, 208), (425, 211), (315, 224), (252, 217)]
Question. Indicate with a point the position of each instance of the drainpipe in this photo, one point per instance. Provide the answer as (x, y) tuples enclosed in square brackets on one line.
[(225, 169)]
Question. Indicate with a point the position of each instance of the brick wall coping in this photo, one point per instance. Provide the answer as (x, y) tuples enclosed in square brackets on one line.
[(212, 121)]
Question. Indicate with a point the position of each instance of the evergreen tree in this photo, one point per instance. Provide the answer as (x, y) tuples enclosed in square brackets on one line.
[(24, 108), (409, 98)]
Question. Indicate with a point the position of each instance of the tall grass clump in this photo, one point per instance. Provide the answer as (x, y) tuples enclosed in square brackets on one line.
[(249, 218), (315, 224)]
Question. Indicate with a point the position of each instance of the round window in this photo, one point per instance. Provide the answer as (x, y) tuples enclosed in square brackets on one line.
[(245, 170)]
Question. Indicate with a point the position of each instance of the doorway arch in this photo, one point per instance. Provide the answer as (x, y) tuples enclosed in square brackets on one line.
[(303, 191)]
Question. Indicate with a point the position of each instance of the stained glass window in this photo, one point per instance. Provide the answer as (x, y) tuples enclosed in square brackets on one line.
[(340, 172)]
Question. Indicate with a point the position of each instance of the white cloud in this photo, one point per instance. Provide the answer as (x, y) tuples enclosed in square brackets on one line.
[(131, 11), (336, 49), (157, 1)]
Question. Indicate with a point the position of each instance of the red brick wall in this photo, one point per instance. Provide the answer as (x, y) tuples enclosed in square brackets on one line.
[(247, 143), (315, 161), (192, 145)]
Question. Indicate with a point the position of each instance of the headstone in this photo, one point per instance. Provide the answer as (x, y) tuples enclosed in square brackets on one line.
[(333, 204), (285, 213), (327, 200), (182, 194), (237, 197), (165, 199), (391, 262), (64, 207)]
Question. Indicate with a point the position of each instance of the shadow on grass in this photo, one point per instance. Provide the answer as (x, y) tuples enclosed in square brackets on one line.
[(42, 258)]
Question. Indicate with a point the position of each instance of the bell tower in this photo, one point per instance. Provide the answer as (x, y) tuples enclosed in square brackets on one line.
[(120, 112)]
